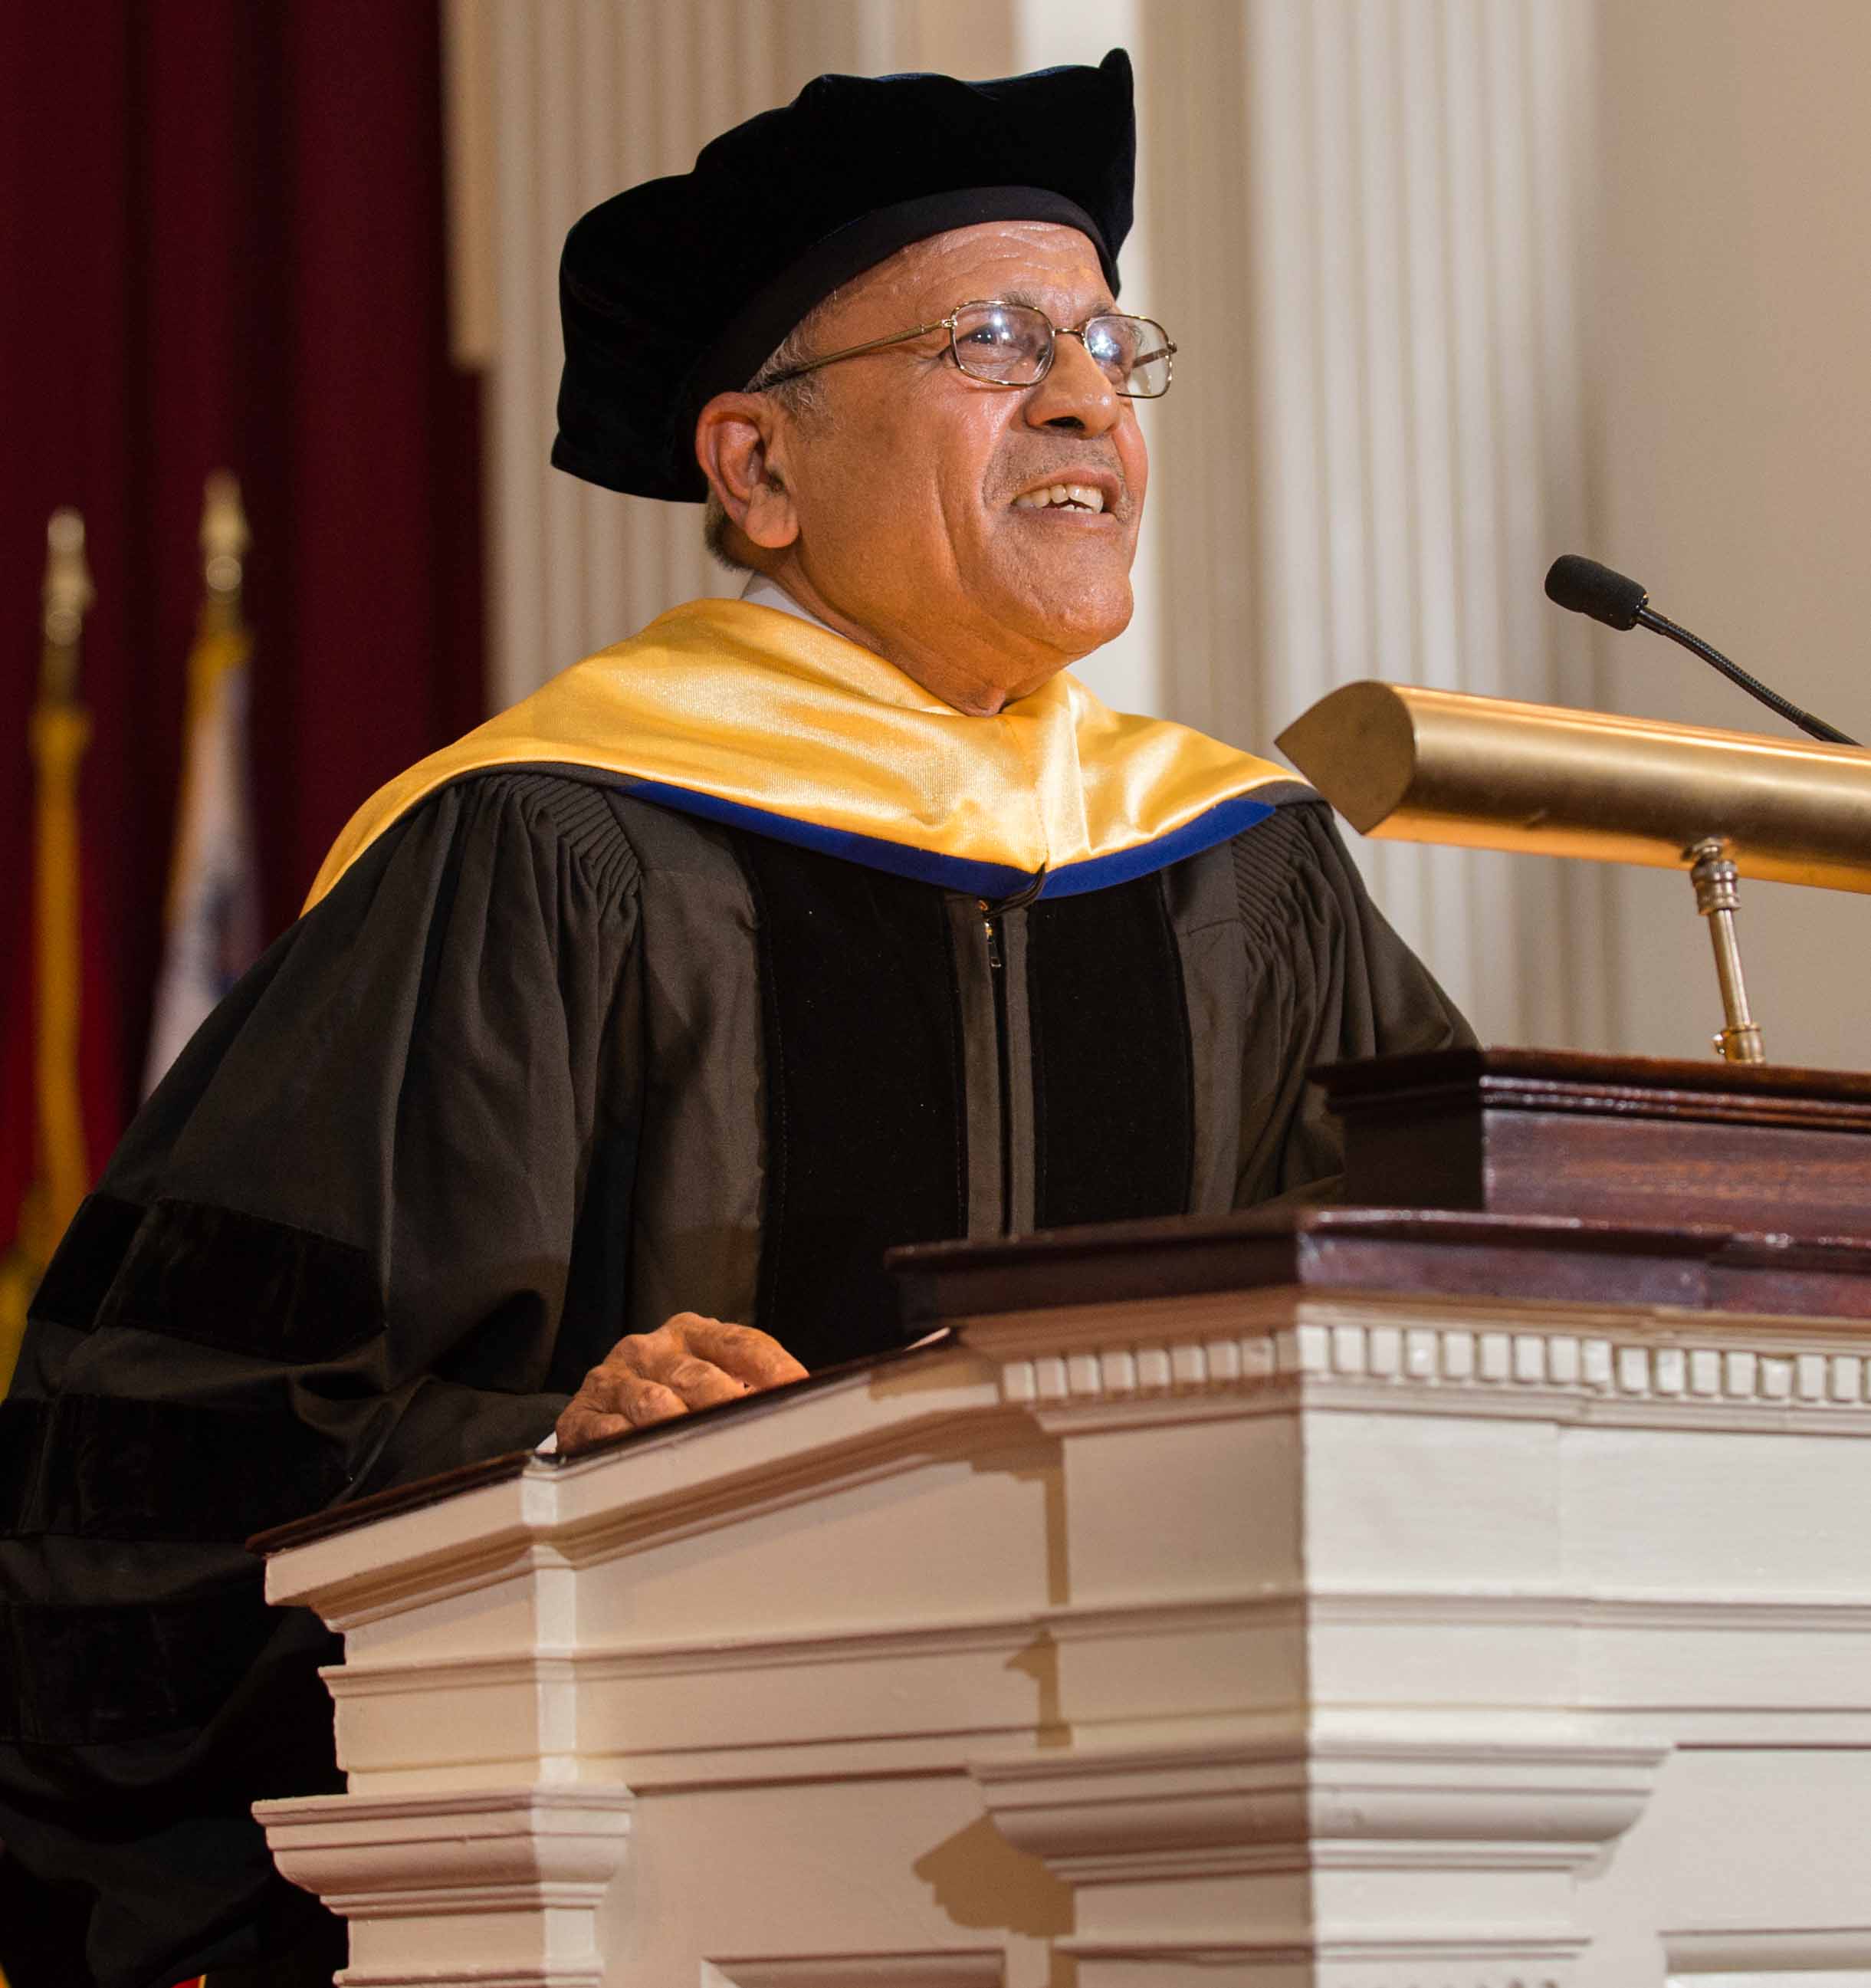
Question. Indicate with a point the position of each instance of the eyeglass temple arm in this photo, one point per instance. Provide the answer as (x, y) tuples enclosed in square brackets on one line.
[(870, 345), (948, 324)]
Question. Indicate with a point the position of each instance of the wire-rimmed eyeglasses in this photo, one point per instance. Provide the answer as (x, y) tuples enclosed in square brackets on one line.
[(1012, 345)]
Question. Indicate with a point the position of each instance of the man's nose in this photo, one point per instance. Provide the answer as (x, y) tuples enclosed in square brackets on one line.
[(1076, 392)]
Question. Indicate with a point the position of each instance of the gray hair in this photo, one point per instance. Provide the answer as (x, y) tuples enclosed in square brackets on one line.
[(802, 397)]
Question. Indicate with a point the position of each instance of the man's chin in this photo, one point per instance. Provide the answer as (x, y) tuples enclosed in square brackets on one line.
[(1079, 621), (1080, 591)]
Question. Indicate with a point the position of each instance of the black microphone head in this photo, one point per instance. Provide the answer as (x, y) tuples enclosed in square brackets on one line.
[(1588, 588)]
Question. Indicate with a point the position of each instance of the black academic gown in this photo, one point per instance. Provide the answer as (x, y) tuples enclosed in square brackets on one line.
[(548, 1064)]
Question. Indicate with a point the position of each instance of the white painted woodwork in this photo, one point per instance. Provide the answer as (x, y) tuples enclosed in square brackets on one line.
[(1263, 1639), (503, 1887)]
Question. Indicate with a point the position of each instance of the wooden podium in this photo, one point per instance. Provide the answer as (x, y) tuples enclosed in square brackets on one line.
[(1457, 1596)]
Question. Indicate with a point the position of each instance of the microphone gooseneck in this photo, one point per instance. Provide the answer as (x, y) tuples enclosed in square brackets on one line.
[(1588, 588), (1816, 727)]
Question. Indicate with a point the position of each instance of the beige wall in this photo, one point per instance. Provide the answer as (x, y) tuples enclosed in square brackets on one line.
[(1731, 455)]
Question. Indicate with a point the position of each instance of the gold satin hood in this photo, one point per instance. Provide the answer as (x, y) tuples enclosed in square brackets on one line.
[(750, 716)]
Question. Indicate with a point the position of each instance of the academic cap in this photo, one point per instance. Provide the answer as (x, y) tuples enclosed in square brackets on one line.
[(679, 289)]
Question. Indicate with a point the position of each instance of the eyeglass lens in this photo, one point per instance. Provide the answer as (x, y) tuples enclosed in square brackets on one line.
[(1009, 344)]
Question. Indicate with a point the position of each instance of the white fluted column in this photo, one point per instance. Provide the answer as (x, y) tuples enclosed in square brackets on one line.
[(555, 105), (1367, 216)]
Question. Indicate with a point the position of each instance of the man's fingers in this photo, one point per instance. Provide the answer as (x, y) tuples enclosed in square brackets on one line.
[(700, 1383), (577, 1426), (754, 1357), (611, 1401), (666, 1357), (690, 1362), (615, 1383), (641, 1402)]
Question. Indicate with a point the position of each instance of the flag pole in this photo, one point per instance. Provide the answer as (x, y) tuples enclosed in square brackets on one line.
[(211, 918), (60, 731), (220, 647)]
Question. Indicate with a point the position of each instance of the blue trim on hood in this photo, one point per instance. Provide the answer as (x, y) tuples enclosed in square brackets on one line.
[(991, 880)]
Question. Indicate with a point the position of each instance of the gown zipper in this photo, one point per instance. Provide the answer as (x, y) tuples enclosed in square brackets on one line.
[(991, 916), (997, 975)]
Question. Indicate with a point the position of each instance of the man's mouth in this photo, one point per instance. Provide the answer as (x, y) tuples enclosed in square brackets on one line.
[(1061, 496)]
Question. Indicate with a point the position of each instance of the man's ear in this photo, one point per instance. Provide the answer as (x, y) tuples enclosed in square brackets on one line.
[(736, 435)]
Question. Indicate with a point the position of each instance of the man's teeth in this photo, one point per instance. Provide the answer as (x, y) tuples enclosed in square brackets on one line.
[(1086, 496)]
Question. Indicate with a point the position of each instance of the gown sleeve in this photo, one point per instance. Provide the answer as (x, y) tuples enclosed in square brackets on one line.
[(1329, 981), (336, 1251)]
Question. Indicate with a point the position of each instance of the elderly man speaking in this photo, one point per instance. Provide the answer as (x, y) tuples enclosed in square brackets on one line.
[(621, 1039)]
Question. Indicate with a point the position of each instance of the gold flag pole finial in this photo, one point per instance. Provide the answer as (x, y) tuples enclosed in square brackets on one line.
[(224, 539), (221, 643), (67, 592)]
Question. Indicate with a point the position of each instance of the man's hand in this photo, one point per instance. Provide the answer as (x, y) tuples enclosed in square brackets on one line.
[(689, 1362)]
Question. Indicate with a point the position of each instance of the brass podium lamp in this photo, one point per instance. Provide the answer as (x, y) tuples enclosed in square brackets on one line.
[(1407, 765)]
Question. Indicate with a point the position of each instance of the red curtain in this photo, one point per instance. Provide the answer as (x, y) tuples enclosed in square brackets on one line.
[(222, 243)]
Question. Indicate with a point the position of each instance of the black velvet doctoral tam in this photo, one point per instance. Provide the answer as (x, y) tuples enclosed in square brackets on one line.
[(679, 289)]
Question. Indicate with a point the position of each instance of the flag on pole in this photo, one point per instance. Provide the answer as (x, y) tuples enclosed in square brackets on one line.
[(61, 729), (212, 921)]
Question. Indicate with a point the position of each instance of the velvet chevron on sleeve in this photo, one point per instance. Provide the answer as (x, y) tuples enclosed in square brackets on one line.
[(1329, 981), (336, 1250)]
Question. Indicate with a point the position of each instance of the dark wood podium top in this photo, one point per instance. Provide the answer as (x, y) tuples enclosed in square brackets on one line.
[(1410, 1252), (1618, 1138), (1529, 1173), (1744, 1094)]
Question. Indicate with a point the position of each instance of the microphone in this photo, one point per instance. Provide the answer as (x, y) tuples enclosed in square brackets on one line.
[(1588, 588)]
